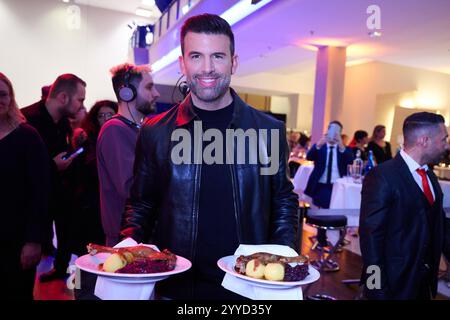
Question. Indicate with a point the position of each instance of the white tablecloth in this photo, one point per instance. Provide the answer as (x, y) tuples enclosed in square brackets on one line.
[(301, 180), (347, 195), (442, 172)]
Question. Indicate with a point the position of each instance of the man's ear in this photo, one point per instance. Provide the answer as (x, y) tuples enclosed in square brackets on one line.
[(234, 63), (423, 141), (63, 98), (182, 66)]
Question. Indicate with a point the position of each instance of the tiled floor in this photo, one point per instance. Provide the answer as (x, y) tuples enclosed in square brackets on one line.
[(329, 283)]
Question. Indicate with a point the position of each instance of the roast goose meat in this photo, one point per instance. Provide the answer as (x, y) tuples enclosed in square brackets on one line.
[(265, 258), (140, 259)]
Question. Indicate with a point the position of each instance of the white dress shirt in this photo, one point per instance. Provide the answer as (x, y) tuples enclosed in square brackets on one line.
[(334, 168), (413, 166)]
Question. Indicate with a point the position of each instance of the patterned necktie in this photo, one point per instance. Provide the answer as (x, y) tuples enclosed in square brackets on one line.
[(425, 185), (330, 164)]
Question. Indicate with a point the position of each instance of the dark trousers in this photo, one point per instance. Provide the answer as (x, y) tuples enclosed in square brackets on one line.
[(425, 288), (63, 251), (87, 287), (322, 195), (17, 284), (322, 198)]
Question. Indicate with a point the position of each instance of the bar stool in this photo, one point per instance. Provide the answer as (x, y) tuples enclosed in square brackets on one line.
[(323, 223)]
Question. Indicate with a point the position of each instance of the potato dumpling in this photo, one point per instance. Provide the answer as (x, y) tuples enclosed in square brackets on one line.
[(113, 263), (274, 272), (254, 269)]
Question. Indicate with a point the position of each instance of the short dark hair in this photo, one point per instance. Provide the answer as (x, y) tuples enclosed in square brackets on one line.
[(336, 122), (209, 24), (359, 135), (67, 83), (417, 122), (125, 74)]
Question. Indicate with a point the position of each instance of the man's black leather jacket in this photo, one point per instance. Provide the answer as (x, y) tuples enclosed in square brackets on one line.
[(164, 199)]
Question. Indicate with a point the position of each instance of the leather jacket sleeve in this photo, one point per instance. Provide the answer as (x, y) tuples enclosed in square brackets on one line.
[(140, 209), (284, 200)]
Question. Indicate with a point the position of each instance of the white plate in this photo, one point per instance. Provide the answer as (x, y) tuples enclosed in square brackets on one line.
[(90, 264), (227, 265)]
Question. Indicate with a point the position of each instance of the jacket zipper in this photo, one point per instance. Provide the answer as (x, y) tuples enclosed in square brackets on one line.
[(235, 196), (197, 182)]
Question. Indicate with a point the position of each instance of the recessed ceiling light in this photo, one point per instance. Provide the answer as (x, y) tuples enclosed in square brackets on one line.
[(144, 13), (375, 34), (149, 3), (185, 9), (66, 1)]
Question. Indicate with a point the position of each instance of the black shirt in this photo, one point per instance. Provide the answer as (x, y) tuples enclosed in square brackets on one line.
[(381, 154), (24, 187), (56, 137), (217, 229)]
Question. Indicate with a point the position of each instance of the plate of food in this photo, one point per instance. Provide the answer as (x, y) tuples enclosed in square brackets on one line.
[(132, 264), (270, 270)]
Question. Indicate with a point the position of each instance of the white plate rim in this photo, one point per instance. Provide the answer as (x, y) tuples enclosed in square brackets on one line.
[(227, 264), (182, 265)]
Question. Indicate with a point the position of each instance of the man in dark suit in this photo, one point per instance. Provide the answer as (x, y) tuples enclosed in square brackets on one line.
[(402, 231), (330, 158)]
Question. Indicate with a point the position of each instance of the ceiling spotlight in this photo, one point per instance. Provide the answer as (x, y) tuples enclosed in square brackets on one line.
[(66, 1), (149, 3), (149, 38), (144, 13), (185, 9), (375, 34)]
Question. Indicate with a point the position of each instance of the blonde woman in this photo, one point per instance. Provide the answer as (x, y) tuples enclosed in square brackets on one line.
[(381, 149), (24, 188)]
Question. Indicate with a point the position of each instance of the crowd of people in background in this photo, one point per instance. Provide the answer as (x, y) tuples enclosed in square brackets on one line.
[(104, 175), (48, 185), (300, 143)]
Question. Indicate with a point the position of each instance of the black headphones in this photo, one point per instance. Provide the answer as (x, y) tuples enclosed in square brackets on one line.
[(126, 121), (183, 87), (127, 92)]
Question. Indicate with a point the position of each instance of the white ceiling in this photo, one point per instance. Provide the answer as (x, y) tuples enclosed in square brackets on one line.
[(415, 33), (128, 6)]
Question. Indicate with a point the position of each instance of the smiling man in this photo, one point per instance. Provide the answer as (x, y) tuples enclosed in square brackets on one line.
[(203, 209)]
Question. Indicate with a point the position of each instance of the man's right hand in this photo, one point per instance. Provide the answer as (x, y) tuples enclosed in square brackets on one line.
[(322, 141), (62, 164)]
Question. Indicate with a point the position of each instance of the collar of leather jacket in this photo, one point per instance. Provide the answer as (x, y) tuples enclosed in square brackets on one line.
[(186, 112)]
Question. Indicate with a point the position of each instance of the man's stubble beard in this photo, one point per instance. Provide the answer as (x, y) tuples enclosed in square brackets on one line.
[(203, 94), (145, 107)]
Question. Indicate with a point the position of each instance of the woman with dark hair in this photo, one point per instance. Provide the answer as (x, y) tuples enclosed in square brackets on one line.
[(86, 218), (359, 141), (24, 192), (84, 177), (381, 149), (298, 153)]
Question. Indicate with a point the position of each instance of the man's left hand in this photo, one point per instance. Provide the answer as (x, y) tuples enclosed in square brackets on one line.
[(340, 143), (31, 255)]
